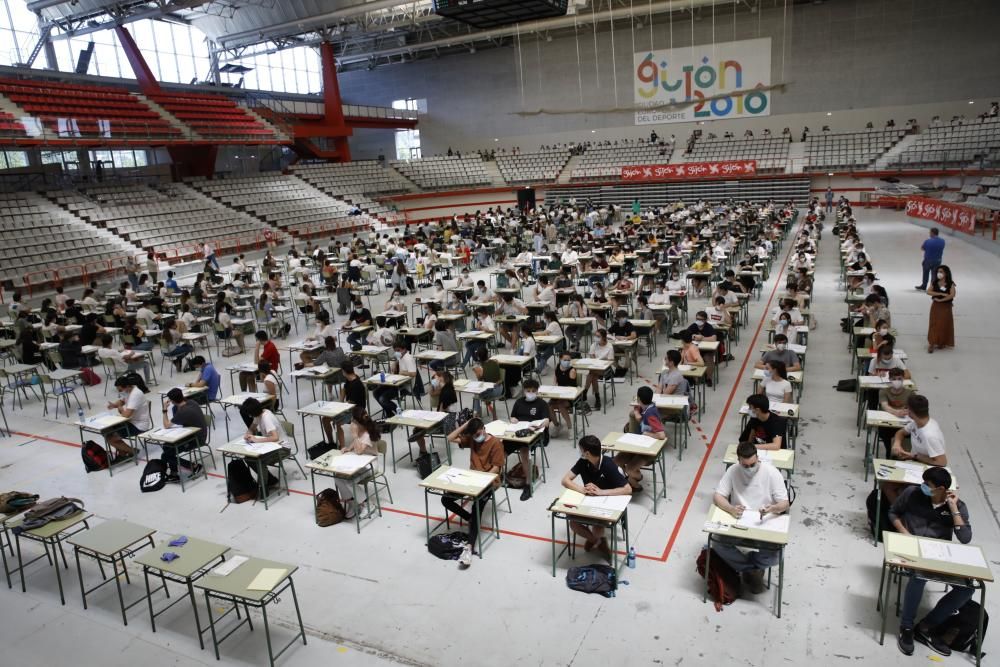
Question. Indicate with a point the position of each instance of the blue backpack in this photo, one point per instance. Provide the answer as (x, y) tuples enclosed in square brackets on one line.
[(600, 579)]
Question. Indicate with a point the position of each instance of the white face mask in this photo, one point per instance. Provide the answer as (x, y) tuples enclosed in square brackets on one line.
[(883, 331), (435, 383), (397, 354), (940, 276), (896, 384), (748, 473), (781, 347), (530, 396)]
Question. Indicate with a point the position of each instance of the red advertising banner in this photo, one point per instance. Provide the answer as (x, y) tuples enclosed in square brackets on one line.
[(953, 216), (690, 171)]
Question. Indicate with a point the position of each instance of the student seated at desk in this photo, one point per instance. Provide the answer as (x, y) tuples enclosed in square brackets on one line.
[(123, 363), (927, 443), (223, 318), (364, 434), (701, 330), (443, 398), (331, 355), (482, 292), (445, 341), (644, 419), (874, 310), (881, 335), (528, 408), (547, 350), (487, 370), (893, 399), (930, 510), (403, 363), (359, 317), (763, 429), (752, 485), (351, 391), (780, 353), (486, 455), (776, 386), (395, 302), (671, 382), (264, 350), (178, 411), (718, 314), (789, 307), (885, 360), (602, 349), (510, 306), (132, 405), (484, 323), (599, 476), (703, 265), (269, 384), (622, 328), (134, 331), (208, 377), (565, 376)]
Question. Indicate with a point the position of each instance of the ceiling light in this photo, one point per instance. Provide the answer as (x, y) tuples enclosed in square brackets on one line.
[(829, 113), (593, 131), (829, 173), (496, 140), (972, 101)]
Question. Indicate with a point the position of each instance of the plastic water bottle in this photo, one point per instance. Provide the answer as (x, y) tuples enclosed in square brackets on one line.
[(381, 377), (631, 557), (79, 414)]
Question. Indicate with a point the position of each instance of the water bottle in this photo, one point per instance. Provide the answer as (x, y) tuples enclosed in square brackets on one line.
[(631, 557), (381, 376), (79, 414)]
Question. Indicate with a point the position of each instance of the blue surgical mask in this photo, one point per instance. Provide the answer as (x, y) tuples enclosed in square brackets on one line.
[(480, 438), (926, 489), (397, 354), (564, 364), (530, 396)]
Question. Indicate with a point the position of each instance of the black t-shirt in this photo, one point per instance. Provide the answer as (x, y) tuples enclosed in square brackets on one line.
[(624, 330), (706, 330), (189, 414), (563, 378), (354, 391), (361, 316), (447, 398), (529, 411), (88, 333), (758, 431), (606, 476)]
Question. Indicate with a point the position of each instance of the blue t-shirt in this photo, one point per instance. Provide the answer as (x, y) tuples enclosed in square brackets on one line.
[(212, 380), (933, 248)]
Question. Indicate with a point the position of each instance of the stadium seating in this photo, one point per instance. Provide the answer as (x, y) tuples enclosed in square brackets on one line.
[(953, 145), (70, 110), (37, 239), (539, 167), (170, 218), (284, 201), (848, 150), (436, 173), (216, 117), (350, 178), (771, 153), (606, 162)]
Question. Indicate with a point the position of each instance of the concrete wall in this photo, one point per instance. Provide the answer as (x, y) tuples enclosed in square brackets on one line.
[(841, 55)]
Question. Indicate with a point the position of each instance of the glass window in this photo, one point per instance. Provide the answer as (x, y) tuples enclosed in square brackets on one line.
[(13, 159)]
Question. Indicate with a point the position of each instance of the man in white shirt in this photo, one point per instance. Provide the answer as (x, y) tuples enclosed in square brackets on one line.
[(926, 439), (754, 486), (209, 251)]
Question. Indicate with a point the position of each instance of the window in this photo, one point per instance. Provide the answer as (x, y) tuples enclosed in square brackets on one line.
[(67, 159), (120, 159), (18, 33), (408, 141), (295, 70), (13, 159)]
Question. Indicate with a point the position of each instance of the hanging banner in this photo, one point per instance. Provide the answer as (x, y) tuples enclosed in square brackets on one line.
[(690, 171), (716, 80), (953, 216)]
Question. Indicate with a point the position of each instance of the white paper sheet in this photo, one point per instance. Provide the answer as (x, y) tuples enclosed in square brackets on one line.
[(230, 565), (349, 462), (959, 554), (424, 415), (262, 447), (777, 523), (610, 503), (637, 440)]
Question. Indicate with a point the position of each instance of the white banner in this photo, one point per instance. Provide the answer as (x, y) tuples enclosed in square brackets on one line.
[(702, 73)]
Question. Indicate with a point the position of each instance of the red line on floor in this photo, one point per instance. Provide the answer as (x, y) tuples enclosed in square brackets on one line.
[(64, 443), (722, 417)]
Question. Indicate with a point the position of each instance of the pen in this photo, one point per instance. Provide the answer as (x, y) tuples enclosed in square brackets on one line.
[(738, 527)]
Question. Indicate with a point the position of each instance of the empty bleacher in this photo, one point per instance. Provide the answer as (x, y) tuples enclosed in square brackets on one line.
[(606, 162), (77, 111), (39, 239), (771, 153), (953, 146), (436, 173), (170, 218), (350, 178), (10, 126), (848, 150), (539, 167), (284, 201), (216, 118)]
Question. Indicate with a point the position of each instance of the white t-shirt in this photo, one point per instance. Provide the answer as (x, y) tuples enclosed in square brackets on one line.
[(267, 423), (407, 364), (775, 390), (765, 487), (928, 440), (606, 352), (140, 418), (527, 346)]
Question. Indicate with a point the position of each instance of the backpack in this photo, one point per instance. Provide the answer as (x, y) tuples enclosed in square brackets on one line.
[(516, 478), (600, 579), (724, 585), (884, 524), (89, 377), (329, 510), (13, 502), (154, 476), (94, 456), (318, 450), (240, 483), (428, 463), (960, 629), (54, 509), (447, 546), (848, 385)]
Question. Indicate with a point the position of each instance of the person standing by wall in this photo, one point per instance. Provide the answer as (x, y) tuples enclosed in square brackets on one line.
[(933, 247), (829, 200), (941, 325)]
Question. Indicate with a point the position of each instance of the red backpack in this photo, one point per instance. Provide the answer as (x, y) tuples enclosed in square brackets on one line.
[(724, 582), (94, 456)]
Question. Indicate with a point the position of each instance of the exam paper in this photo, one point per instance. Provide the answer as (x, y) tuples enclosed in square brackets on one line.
[(424, 415), (777, 523), (903, 545), (636, 440), (266, 579), (959, 554), (610, 503), (349, 462), (230, 565)]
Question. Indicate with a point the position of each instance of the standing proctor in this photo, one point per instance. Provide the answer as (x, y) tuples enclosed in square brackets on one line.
[(941, 327), (829, 199), (933, 247)]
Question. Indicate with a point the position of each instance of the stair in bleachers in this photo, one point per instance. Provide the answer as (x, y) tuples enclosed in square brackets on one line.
[(494, 174), (278, 131), (217, 118), (542, 166), (893, 153), (181, 127), (567, 171)]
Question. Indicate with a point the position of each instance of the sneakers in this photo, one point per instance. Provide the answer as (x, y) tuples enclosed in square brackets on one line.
[(196, 470), (922, 289), (526, 492), (172, 478), (754, 579), (465, 560), (905, 641), (934, 642), (605, 550)]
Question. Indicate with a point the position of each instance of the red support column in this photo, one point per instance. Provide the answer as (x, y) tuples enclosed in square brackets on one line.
[(144, 75), (333, 104)]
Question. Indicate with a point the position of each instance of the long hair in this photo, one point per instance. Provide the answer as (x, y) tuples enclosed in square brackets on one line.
[(947, 284)]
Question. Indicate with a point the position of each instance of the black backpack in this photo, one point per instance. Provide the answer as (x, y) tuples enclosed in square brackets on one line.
[(447, 546), (154, 476), (240, 482), (964, 626), (600, 579), (428, 463), (94, 456), (884, 524)]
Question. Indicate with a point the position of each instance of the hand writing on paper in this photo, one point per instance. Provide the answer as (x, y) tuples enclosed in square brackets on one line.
[(737, 511)]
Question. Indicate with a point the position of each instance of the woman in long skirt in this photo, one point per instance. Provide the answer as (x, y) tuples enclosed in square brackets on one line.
[(941, 328)]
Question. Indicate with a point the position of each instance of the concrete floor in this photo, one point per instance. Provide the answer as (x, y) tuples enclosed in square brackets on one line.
[(379, 597)]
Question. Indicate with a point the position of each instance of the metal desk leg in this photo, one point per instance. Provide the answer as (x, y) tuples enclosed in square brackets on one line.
[(885, 600), (708, 566), (211, 623), (781, 577), (267, 633)]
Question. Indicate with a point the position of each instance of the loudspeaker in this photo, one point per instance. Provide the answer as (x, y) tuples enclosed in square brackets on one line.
[(526, 199), (83, 62)]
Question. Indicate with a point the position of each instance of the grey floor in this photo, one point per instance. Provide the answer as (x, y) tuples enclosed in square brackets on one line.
[(379, 597)]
